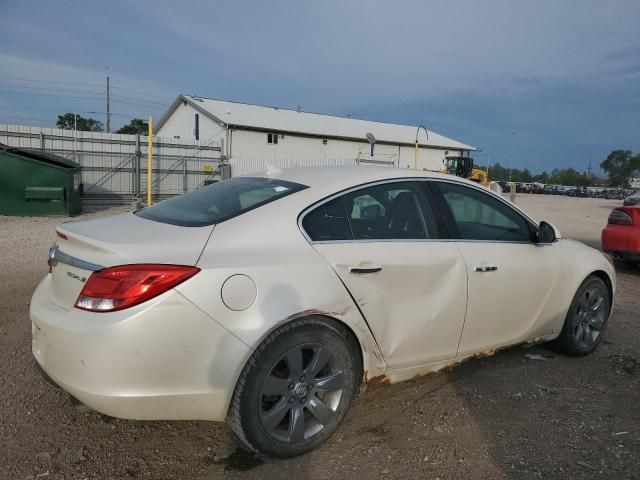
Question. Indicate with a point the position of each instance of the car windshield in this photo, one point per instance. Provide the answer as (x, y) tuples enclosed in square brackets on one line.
[(219, 202)]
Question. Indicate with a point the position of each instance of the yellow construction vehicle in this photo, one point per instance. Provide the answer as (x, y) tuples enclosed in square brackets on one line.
[(480, 176), (463, 167)]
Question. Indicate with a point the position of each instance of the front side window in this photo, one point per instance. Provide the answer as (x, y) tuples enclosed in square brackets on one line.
[(391, 211), (220, 201), (479, 216)]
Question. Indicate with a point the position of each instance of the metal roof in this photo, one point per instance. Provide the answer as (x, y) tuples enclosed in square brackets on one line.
[(340, 177), (41, 156), (248, 116)]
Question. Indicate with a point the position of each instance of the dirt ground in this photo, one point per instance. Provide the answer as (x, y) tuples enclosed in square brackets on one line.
[(505, 417)]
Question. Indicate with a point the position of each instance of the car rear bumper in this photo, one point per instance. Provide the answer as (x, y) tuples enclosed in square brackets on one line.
[(622, 240), (164, 359), (626, 256)]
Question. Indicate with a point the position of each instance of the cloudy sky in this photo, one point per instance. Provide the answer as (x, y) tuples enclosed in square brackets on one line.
[(540, 83)]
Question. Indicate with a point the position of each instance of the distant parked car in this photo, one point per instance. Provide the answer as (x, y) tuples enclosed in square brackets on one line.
[(621, 236), (632, 199), (538, 188)]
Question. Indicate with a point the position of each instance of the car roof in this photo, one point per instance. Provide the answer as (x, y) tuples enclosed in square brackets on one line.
[(328, 180), (338, 177)]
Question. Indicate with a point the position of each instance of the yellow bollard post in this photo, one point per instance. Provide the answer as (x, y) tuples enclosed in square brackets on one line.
[(150, 161)]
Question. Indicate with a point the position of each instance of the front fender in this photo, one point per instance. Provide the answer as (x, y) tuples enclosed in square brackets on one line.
[(579, 261)]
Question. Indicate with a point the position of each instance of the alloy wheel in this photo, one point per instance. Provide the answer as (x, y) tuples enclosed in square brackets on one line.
[(589, 317), (301, 393)]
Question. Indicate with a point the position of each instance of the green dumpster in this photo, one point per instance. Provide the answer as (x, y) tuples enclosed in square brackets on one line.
[(35, 183)]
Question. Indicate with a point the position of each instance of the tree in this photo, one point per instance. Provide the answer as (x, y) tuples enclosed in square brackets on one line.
[(567, 176), (137, 126), (542, 178), (498, 172), (621, 165), (71, 121)]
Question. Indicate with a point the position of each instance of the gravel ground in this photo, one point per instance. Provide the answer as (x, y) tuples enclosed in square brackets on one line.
[(509, 416)]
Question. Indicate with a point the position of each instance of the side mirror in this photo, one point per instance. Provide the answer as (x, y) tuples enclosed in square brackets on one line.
[(547, 233)]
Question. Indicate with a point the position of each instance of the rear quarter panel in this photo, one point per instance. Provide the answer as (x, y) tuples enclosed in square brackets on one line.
[(291, 278)]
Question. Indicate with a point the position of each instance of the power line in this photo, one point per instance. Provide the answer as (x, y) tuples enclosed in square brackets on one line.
[(26, 119), (140, 100), (92, 95), (50, 81), (151, 107), (49, 95), (141, 93), (47, 89), (77, 83), (58, 111)]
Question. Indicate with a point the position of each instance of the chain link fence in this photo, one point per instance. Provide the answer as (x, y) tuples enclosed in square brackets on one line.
[(114, 166)]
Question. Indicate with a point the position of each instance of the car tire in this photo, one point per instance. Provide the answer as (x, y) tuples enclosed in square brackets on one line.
[(586, 319), (296, 388), (626, 264)]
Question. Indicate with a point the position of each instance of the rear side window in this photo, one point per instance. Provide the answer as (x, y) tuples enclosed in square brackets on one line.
[(327, 222), (219, 202), (479, 216)]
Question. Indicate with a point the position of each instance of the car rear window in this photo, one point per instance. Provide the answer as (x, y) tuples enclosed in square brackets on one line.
[(219, 202)]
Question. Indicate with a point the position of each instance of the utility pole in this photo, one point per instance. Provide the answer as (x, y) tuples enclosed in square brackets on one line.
[(514, 152), (75, 137), (589, 169), (108, 113)]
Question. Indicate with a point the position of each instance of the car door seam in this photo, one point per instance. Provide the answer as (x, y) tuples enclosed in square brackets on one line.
[(466, 307), (206, 243)]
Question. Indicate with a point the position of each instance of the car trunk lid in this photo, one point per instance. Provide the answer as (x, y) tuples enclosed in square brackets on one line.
[(87, 246)]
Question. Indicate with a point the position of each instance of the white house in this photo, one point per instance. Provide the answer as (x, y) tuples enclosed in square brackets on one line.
[(253, 135)]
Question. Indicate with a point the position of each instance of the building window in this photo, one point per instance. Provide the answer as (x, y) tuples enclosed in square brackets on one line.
[(324, 141), (272, 138)]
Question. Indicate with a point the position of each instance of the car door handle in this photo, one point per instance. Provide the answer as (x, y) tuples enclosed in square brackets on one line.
[(486, 268), (360, 270)]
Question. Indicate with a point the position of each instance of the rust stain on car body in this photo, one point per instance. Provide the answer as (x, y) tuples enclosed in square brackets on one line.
[(378, 379), (485, 353), (384, 379)]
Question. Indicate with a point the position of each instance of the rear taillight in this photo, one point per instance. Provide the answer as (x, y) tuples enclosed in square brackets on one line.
[(116, 288), (618, 217)]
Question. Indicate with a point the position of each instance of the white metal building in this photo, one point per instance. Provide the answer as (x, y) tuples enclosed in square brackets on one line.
[(252, 135)]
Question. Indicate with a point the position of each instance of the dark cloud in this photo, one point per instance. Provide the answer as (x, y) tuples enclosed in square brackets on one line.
[(563, 76)]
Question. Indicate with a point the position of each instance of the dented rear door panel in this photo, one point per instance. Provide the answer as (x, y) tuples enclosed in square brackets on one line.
[(414, 304)]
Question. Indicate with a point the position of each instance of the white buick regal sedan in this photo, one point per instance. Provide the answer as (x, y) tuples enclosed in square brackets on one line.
[(268, 300)]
